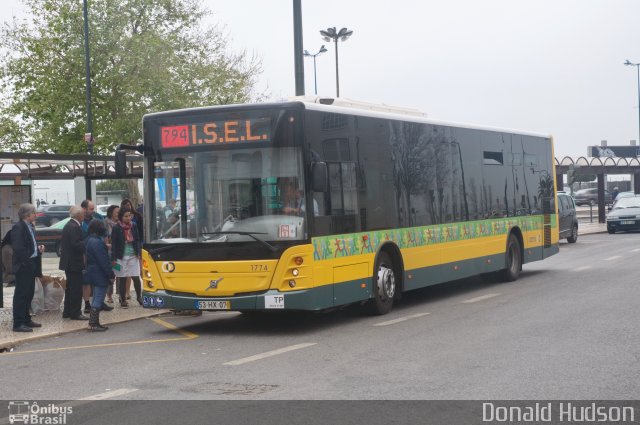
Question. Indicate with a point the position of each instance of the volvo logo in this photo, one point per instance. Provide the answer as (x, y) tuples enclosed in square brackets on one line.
[(168, 267), (214, 284)]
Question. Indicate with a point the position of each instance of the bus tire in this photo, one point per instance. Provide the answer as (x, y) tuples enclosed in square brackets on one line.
[(384, 286), (513, 260)]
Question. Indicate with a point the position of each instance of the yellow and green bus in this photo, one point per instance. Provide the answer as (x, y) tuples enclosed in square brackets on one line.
[(312, 205)]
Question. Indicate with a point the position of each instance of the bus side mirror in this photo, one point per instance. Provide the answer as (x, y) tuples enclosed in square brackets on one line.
[(121, 163), (319, 177)]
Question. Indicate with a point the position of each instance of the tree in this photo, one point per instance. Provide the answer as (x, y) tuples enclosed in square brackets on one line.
[(146, 56), (111, 185)]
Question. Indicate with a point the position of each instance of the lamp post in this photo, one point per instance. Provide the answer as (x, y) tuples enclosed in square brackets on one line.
[(88, 136), (637, 65), (315, 79), (331, 34)]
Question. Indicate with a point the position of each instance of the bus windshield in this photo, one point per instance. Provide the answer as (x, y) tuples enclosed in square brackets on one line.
[(232, 195)]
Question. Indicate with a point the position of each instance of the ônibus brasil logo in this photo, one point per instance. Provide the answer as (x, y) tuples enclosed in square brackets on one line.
[(26, 412)]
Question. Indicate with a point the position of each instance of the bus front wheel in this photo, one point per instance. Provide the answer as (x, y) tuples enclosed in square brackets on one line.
[(513, 260), (384, 286)]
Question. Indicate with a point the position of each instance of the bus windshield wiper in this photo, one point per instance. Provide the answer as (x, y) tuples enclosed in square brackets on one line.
[(250, 234)]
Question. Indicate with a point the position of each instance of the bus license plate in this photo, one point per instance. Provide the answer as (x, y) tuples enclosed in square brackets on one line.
[(628, 222), (213, 305)]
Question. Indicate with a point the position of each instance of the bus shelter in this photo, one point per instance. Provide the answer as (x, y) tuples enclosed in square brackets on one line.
[(600, 167)]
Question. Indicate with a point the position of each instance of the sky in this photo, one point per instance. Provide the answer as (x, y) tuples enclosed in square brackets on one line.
[(552, 67), (547, 66)]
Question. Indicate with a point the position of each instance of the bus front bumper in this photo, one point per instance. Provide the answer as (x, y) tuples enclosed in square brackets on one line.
[(308, 299)]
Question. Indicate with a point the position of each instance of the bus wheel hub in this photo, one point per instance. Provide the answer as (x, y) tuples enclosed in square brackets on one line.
[(386, 283)]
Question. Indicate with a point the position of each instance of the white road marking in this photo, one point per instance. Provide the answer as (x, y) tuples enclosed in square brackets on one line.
[(480, 298), (110, 394), (269, 354), (635, 250), (401, 319), (579, 269), (613, 258)]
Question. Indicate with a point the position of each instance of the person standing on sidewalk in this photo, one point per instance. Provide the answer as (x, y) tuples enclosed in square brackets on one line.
[(7, 261), (110, 222), (125, 255), (136, 218), (90, 214), (26, 255), (72, 262), (99, 272)]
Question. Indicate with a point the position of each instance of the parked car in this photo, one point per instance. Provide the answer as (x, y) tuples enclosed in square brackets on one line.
[(590, 196), (51, 236), (568, 220), (624, 195), (51, 214), (624, 215), (102, 209)]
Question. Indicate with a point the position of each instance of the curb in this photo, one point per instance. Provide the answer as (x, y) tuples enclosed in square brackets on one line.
[(9, 345)]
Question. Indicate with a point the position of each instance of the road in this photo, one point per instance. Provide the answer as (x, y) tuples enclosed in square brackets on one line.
[(566, 330)]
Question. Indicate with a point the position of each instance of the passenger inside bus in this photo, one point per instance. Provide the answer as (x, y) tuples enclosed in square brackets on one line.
[(172, 227)]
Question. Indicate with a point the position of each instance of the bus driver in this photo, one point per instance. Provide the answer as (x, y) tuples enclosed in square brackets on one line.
[(294, 201)]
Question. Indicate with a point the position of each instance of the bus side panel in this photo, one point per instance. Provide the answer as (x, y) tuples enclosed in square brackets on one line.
[(431, 254), (352, 283)]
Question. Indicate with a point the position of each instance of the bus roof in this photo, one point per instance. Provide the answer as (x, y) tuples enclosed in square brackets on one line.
[(349, 107)]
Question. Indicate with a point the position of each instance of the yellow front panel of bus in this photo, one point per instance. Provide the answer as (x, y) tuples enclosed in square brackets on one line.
[(215, 278), (229, 278)]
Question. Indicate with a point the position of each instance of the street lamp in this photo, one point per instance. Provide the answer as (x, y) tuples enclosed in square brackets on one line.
[(306, 53), (637, 65), (331, 34), (88, 136)]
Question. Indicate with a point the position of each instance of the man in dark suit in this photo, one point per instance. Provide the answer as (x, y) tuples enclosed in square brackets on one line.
[(26, 256), (72, 262)]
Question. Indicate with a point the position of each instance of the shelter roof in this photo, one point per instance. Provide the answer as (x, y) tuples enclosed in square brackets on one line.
[(39, 166)]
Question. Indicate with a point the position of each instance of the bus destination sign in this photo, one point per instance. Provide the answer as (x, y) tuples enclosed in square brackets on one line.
[(216, 133)]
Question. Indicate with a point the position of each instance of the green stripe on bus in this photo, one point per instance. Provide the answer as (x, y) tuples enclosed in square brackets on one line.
[(336, 246)]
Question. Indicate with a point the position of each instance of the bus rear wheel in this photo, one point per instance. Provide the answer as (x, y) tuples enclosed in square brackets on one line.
[(384, 286), (513, 260)]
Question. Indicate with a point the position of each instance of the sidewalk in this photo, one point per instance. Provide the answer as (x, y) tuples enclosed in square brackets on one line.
[(52, 322), (586, 228)]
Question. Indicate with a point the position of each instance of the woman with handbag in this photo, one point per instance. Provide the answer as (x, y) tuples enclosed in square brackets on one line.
[(99, 271), (110, 221), (125, 255)]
